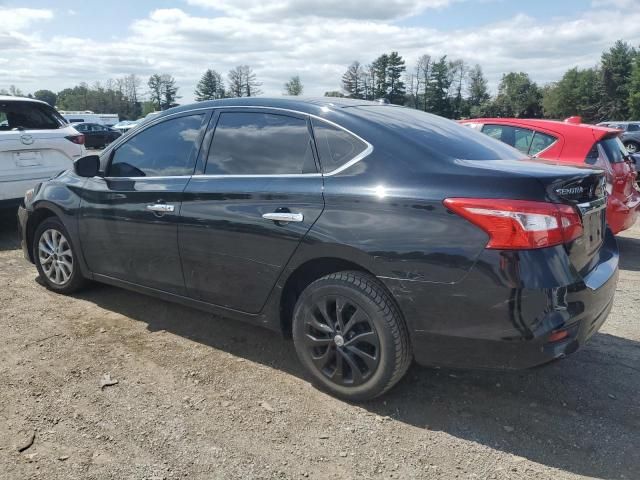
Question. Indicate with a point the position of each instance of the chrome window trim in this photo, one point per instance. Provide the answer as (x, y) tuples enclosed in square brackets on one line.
[(160, 177), (366, 152), (265, 175)]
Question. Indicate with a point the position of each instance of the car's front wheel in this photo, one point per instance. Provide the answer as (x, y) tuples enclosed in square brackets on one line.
[(632, 147), (55, 257), (350, 336)]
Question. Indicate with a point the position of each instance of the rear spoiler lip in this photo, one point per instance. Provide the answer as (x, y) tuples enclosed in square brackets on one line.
[(603, 133)]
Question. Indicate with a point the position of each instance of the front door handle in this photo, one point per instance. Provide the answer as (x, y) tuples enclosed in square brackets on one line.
[(161, 208), (283, 217)]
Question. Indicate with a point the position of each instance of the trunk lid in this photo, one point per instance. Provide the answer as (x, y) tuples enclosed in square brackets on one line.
[(582, 187)]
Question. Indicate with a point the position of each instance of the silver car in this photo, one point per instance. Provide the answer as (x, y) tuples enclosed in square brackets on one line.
[(630, 134)]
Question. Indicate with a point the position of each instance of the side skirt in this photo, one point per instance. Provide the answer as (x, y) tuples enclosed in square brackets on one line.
[(259, 319)]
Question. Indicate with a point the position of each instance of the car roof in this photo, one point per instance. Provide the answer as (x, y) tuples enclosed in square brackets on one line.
[(11, 98), (301, 104), (574, 129)]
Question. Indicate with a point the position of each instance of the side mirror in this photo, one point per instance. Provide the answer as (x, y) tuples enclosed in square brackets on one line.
[(87, 166)]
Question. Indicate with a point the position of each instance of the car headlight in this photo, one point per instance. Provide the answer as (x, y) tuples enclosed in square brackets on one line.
[(28, 195)]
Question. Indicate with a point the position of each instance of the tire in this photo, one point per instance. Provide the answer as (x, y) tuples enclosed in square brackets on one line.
[(350, 336), (632, 147), (64, 275)]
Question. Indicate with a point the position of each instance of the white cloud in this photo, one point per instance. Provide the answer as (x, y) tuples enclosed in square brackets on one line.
[(184, 45), (19, 18), (273, 10)]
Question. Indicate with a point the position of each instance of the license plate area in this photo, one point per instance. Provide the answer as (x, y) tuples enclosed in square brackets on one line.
[(27, 158), (594, 227)]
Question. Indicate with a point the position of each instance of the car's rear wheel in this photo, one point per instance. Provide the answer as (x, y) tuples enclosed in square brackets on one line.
[(55, 257), (632, 147), (350, 336)]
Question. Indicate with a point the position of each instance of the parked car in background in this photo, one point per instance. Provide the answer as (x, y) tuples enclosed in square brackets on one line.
[(630, 134), (87, 116), (35, 144), (125, 125), (96, 136), (373, 234), (575, 143)]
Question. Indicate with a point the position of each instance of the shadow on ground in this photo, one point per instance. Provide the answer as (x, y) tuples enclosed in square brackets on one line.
[(629, 253), (579, 415), (9, 239)]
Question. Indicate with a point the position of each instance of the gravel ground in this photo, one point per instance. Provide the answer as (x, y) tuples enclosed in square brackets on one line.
[(202, 397)]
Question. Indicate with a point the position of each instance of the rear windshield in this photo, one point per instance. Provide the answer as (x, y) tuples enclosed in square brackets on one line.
[(612, 149), (442, 137), (28, 116)]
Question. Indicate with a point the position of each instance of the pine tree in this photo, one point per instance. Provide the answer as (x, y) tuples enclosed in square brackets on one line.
[(395, 69), (210, 86), (293, 86), (634, 90), (477, 91), (438, 89), (353, 82), (379, 73), (155, 90), (169, 91), (617, 66)]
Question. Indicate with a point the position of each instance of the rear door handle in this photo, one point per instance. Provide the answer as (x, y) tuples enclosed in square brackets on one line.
[(161, 207), (283, 217)]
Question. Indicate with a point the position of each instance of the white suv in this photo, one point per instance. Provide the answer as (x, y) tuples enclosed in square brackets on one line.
[(35, 144)]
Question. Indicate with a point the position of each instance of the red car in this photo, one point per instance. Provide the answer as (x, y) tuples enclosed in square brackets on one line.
[(576, 143)]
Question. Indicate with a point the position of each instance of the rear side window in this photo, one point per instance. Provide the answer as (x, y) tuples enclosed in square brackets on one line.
[(540, 142), (250, 143), (517, 137), (633, 127), (335, 145), (166, 149), (28, 116)]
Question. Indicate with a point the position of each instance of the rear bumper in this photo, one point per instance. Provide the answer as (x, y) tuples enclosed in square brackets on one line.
[(623, 215), (502, 315)]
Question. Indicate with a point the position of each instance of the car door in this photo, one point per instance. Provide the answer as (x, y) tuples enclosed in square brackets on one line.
[(129, 218), (256, 195)]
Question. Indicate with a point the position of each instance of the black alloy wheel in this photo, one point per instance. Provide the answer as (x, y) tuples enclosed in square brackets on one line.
[(341, 340), (350, 335)]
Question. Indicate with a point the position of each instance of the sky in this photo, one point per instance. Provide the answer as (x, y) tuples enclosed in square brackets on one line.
[(55, 45)]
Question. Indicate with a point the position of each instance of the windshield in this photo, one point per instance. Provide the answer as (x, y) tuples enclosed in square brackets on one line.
[(17, 115)]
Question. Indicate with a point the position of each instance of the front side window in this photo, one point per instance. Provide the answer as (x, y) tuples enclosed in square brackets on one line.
[(250, 143), (633, 127), (28, 116), (166, 149), (335, 145)]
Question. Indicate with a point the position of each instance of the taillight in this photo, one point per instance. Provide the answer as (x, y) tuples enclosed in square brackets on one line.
[(519, 224), (77, 139)]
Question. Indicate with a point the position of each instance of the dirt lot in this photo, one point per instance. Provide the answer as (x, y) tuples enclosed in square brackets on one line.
[(201, 397)]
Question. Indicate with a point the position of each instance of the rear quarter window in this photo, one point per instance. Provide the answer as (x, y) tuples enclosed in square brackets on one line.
[(336, 146), (28, 116)]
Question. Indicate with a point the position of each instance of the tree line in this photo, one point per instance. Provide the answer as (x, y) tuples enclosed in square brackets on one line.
[(126, 96), (448, 87), (454, 89)]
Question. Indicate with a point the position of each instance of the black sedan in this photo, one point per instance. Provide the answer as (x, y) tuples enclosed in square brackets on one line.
[(95, 135), (372, 234)]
